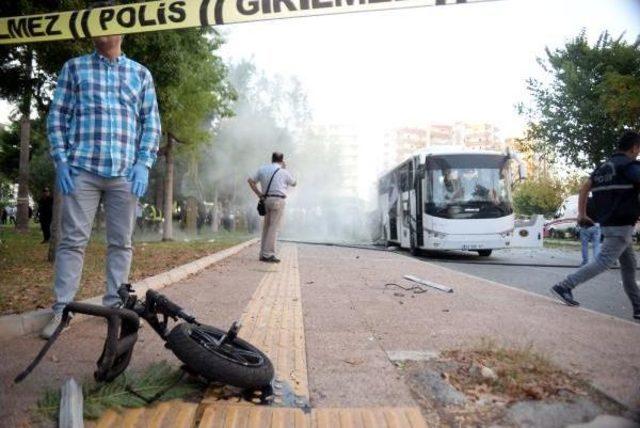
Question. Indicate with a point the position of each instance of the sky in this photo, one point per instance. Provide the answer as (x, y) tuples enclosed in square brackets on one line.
[(439, 64)]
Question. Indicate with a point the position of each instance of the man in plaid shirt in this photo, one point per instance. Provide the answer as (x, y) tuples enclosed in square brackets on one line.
[(104, 130)]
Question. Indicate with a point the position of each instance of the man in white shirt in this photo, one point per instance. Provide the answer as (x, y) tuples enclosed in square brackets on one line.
[(274, 181)]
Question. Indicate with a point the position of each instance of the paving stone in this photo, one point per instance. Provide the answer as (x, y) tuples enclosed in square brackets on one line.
[(431, 386), (534, 414), (607, 421), (11, 326)]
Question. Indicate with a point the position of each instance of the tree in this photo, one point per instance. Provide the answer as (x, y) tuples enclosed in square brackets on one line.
[(591, 97), (538, 195), (191, 87), (24, 80)]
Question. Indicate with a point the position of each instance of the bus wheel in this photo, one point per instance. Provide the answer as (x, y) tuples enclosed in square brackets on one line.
[(484, 253)]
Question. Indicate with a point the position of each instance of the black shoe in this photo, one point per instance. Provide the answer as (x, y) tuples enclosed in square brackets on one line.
[(272, 259), (564, 295), (636, 314)]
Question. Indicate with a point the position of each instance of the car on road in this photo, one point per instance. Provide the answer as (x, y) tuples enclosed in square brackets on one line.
[(564, 220)]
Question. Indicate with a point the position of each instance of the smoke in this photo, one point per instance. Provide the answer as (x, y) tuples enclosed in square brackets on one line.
[(272, 114)]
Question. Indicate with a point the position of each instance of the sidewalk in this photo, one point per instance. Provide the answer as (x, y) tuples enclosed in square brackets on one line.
[(332, 303)]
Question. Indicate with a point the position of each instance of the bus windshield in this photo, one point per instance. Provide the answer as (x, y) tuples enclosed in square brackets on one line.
[(468, 187)]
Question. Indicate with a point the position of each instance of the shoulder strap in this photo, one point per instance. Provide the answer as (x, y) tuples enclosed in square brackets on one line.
[(269, 186)]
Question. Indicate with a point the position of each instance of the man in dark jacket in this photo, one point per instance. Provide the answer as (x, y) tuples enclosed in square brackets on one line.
[(45, 213), (615, 186)]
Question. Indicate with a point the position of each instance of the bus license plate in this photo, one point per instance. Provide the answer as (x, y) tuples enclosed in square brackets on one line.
[(472, 247)]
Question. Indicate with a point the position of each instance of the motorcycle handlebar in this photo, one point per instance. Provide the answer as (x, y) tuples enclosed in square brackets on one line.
[(164, 305)]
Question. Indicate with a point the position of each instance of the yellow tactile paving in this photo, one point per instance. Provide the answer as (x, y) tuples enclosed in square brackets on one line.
[(229, 416), (170, 414), (273, 322), (225, 416)]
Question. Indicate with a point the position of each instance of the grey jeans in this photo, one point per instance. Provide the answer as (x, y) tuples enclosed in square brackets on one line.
[(78, 211), (617, 245)]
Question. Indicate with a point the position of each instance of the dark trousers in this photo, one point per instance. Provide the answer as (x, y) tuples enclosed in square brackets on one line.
[(45, 225)]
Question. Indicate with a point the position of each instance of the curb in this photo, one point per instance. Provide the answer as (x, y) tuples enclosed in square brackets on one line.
[(33, 321)]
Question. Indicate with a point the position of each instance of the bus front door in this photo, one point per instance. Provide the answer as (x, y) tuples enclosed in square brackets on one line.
[(405, 225)]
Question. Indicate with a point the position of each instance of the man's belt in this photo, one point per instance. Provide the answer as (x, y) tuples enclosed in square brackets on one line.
[(276, 196)]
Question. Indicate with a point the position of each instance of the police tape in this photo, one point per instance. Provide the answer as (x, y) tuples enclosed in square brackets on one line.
[(175, 14)]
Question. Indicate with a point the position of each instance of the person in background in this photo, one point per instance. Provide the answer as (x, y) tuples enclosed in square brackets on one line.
[(589, 232), (140, 215), (45, 213), (615, 186), (274, 182), (11, 213), (104, 130)]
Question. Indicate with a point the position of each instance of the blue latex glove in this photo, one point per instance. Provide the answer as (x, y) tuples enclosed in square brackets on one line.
[(64, 177), (139, 176)]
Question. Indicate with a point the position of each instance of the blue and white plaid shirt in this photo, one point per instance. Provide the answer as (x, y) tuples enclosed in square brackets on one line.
[(104, 115)]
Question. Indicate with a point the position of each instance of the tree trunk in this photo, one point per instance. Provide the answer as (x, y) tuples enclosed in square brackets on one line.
[(55, 224), (159, 190), (215, 212), (22, 220), (167, 229), (192, 214), (22, 217)]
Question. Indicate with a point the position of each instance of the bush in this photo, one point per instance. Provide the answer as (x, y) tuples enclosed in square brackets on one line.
[(539, 195)]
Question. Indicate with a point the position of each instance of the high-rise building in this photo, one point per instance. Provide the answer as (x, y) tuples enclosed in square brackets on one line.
[(401, 143)]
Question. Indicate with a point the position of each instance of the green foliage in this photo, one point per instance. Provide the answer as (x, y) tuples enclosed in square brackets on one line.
[(538, 195), (10, 151), (591, 97), (117, 394), (27, 71), (573, 184), (42, 171), (190, 79)]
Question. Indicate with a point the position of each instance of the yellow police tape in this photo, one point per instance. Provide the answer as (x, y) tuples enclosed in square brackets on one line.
[(174, 14)]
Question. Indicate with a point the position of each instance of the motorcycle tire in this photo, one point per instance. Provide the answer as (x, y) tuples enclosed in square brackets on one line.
[(237, 363)]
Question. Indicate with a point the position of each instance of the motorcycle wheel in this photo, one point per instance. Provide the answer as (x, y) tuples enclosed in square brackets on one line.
[(236, 363)]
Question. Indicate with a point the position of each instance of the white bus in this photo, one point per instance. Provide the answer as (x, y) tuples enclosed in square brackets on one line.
[(453, 200)]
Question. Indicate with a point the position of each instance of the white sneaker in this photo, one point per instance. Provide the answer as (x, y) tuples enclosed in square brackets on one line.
[(53, 324)]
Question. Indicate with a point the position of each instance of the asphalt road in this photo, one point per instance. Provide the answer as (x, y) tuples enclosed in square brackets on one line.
[(517, 268)]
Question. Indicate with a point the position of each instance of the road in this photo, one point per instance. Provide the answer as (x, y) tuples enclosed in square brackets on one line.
[(516, 267)]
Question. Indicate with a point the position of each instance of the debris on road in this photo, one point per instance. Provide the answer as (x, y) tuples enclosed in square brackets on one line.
[(70, 415), (429, 283), (354, 361), (412, 355), (487, 373), (416, 289)]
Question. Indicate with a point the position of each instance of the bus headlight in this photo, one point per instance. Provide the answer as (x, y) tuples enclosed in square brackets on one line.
[(435, 234)]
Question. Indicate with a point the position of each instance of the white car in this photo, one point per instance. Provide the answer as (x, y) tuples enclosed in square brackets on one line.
[(565, 219)]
